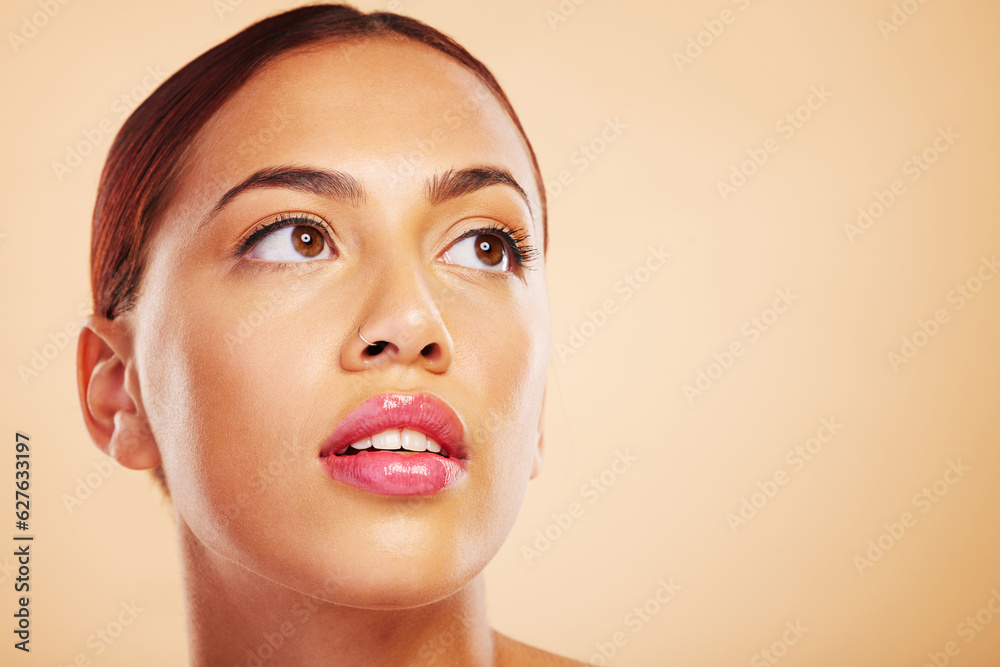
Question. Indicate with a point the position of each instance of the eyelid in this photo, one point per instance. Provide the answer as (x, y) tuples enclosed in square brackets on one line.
[(278, 221)]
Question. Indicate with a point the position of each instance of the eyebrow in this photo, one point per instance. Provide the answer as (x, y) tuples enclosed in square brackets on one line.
[(327, 183), (452, 184), (344, 187)]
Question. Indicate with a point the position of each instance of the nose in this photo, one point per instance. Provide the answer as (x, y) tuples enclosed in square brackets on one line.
[(400, 324)]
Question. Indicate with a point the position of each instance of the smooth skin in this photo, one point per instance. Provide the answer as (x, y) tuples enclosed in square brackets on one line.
[(232, 369)]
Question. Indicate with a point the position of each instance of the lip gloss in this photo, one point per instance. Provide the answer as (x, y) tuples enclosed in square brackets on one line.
[(348, 455)]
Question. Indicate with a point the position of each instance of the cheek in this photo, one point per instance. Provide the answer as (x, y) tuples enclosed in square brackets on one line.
[(234, 405), (504, 355)]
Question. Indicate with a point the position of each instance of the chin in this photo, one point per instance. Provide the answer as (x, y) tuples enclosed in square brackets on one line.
[(379, 565), (401, 589), (380, 583)]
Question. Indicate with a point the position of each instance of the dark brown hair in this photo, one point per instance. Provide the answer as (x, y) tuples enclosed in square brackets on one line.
[(149, 149)]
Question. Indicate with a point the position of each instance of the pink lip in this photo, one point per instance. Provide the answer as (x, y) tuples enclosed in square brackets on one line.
[(395, 473)]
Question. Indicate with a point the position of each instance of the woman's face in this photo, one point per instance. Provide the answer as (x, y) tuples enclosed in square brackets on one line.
[(246, 350)]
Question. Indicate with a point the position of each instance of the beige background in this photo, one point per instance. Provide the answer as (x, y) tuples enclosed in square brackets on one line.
[(676, 132)]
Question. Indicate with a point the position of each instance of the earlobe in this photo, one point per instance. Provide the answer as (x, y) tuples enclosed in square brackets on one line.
[(111, 409)]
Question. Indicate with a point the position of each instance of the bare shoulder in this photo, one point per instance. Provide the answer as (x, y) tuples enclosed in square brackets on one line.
[(512, 653)]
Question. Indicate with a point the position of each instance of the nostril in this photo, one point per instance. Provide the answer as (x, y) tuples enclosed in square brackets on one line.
[(375, 348), (430, 351)]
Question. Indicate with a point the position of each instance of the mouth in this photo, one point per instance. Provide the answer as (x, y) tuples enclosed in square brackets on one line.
[(402, 441), (398, 445)]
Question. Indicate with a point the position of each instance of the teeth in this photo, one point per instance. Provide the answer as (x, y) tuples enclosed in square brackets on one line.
[(386, 440), (396, 439), (413, 441)]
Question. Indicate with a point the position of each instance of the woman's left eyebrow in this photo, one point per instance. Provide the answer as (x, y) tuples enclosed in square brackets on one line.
[(457, 182)]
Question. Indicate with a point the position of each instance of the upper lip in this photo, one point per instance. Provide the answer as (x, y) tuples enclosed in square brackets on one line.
[(420, 412)]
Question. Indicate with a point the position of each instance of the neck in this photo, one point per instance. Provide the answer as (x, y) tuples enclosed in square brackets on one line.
[(236, 618)]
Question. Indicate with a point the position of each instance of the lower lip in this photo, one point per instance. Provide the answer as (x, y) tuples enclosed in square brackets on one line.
[(395, 474)]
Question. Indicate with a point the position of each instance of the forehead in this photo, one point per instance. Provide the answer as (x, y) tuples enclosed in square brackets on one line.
[(389, 111)]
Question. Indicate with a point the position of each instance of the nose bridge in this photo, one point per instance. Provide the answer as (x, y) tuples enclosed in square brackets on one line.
[(402, 295), (399, 316)]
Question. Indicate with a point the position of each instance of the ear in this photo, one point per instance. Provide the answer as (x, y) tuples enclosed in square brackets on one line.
[(109, 393), (536, 463)]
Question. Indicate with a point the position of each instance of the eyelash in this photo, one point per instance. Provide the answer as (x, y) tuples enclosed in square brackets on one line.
[(522, 254), (281, 221)]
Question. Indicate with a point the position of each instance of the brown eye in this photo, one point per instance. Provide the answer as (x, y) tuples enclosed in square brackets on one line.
[(307, 241), (490, 249), (290, 243), (484, 251)]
